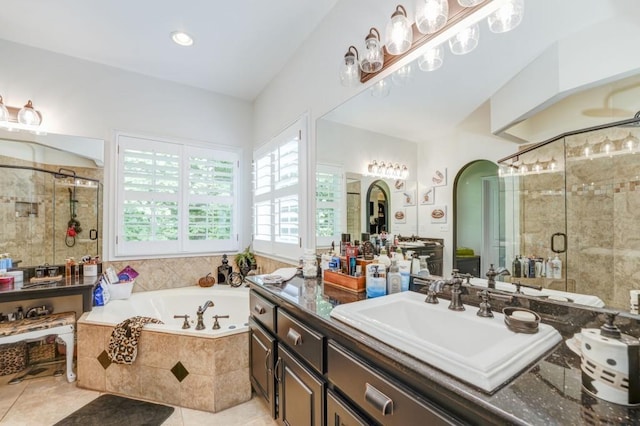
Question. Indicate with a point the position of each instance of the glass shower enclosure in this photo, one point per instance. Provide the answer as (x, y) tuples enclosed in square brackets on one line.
[(572, 208)]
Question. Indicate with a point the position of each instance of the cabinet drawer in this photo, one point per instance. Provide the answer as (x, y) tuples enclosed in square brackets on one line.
[(302, 340), (262, 357), (376, 395), (263, 311), (340, 414)]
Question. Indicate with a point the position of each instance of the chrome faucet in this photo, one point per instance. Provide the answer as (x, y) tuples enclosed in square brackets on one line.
[(493, 273), (200, 314), (457, 289)]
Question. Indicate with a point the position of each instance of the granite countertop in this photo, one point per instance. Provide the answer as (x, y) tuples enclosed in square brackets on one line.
[(48, 285), (549, 392)]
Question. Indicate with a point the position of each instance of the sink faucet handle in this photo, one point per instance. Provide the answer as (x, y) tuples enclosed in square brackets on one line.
[(185, 324), (485, 305), (519, 284), (216, 324)]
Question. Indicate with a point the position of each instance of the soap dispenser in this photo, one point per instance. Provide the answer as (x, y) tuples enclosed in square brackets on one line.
[(610, 362)]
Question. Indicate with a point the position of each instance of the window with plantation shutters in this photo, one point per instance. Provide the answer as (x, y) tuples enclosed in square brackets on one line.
[(330, 201), (175, 198), (278, 193)]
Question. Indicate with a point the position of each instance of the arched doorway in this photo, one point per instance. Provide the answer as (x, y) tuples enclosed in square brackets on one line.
[(478, 222), (378, 198)]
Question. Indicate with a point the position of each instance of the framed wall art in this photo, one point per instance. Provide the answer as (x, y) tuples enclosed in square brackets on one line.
[(439, 177)]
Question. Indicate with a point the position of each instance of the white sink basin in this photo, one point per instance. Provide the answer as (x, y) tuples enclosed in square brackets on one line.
[(479, 351)]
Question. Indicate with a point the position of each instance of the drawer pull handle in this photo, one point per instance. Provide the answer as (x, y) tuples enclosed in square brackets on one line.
[(378, 400), (294, 337), (259, 309)]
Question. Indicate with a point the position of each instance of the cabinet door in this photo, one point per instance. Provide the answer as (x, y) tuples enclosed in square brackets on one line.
[(300, 393), (339, 413), (262, 355)]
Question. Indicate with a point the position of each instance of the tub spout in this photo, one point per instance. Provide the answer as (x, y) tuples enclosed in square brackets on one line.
[(200, 314)]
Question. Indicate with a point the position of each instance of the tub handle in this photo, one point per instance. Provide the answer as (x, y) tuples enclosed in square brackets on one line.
[(378, 400), (267, 357), (294, 337), (259, 309), (277, 369)]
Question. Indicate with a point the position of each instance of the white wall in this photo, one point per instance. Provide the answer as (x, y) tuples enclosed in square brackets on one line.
[(77, 97)]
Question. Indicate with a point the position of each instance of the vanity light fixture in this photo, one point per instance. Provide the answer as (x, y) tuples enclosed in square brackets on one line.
[(431, 15), (4, 112), (387, 170), (181, 38), (373, 57), (350, 68), (399, 34), (403, 76), (436, 21), (381, 89), (507, 17), (465, 41)]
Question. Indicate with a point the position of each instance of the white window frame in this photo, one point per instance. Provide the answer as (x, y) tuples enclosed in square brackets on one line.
[(183, 246), (338, 205), (269, 195)]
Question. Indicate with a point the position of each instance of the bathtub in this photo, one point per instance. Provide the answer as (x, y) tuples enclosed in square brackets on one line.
[(200, 369)]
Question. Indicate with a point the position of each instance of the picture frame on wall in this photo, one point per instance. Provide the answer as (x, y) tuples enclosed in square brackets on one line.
[(438, 214), (409, 198), (439, 177), (399, 185), (427, 195), (400, 216)]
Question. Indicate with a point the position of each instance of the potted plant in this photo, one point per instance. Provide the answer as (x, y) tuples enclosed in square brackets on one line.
[(245, 260)]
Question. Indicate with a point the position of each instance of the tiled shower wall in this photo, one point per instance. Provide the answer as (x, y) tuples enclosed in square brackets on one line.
[(602, 211)]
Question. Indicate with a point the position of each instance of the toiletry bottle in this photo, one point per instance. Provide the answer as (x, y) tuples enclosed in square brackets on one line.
[(376, 284), (516, 268), (383, 258), (405, 270), (415, 264), (556, 267), (525, 267), (394, 279)]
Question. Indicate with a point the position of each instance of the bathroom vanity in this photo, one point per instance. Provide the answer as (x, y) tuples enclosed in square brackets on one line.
[(316, 370)]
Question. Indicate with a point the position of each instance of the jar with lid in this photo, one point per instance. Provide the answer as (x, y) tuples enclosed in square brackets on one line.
[(309, 264)]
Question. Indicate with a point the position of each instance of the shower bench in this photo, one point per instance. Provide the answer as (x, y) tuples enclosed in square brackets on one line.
[(63, 324)]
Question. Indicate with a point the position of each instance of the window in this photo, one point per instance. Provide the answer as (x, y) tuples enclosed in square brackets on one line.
[(330, 196), (278, 193), (174, 198)]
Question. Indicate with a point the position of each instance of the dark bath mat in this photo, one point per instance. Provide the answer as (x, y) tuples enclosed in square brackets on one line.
[(118, 411)]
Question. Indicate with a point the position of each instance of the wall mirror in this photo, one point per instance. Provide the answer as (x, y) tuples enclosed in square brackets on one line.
[(50, 183), (434, 106)]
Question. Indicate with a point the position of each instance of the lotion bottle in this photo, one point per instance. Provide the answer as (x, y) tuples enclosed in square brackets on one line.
[(394, 279), (376, 283)]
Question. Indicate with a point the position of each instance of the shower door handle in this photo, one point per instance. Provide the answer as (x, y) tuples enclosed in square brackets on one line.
[(564, 242)]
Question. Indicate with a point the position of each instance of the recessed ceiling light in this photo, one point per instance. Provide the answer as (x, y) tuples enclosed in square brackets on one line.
[(181, 38)]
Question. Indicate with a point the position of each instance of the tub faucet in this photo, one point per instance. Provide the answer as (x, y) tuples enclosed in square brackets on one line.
[(457, 289), (200, 314)]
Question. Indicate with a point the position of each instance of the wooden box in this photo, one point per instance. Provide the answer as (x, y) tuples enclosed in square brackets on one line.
[(347, 282)]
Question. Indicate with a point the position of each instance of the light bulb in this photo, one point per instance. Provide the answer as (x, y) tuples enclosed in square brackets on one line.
[(403, 75), (350, 69), (465, 41), (607, 149), (524, 169), (372, 58), (506, 17), (398, 35), (431, 15), (29, 116), (181, 38), (431, 60)]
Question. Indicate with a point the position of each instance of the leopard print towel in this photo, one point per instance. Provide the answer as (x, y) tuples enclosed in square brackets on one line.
[(123, 345)]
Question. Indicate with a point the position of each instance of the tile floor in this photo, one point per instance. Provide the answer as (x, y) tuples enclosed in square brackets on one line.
[(43, 401)]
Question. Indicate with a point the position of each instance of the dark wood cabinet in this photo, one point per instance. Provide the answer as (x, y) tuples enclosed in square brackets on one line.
[(262, 355), (300, 393), (340, 413)]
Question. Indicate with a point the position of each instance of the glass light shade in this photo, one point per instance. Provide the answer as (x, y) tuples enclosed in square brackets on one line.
[(432, 59), (403, 76), (398, 35), (372, 57), (381, 89), (350, 69), (181, 38), (507, 17), (469, 3), (431, 15), (4, 112), (607, 148), (631, 144), (29, 116), (465, 41)]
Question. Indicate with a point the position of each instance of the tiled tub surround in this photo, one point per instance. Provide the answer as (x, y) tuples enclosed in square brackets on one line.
[(205, 370)]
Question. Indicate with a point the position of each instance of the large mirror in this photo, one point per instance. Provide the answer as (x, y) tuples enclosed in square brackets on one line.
[(51, 197), (450, 118)]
